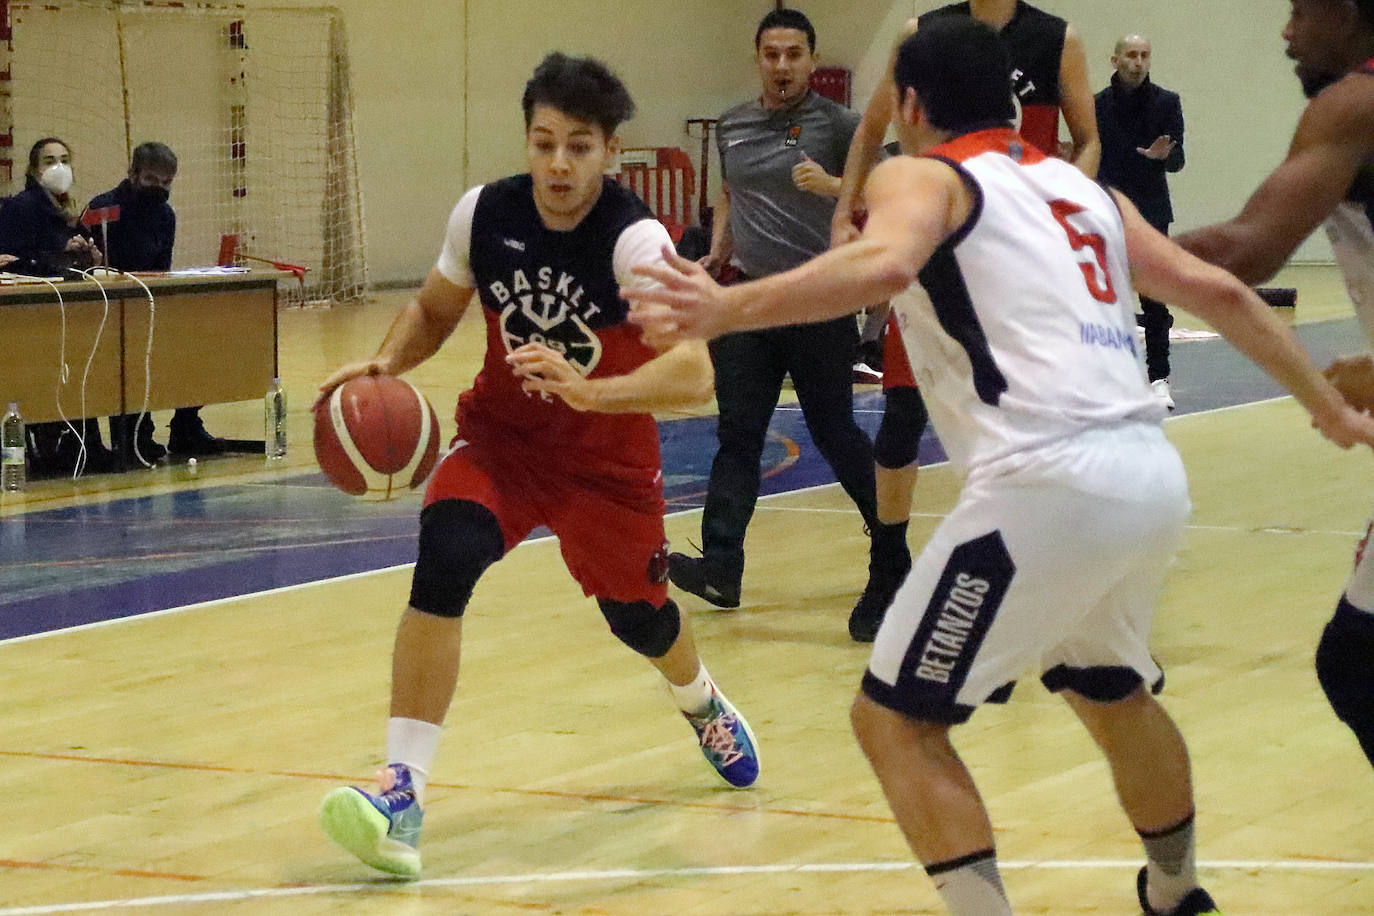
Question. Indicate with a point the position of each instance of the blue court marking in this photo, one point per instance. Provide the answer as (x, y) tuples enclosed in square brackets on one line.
[(68, 567)]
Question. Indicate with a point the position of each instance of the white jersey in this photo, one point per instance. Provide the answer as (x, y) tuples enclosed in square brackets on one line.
[(1352, 241), (1021, 329)]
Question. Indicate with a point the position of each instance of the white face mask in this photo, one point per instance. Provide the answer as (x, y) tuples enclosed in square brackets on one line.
[(56, 178)]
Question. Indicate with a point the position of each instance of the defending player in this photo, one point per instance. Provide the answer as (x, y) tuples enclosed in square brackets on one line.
[(555, 431), (1013, 273), (1328, 175), (1049, 77)]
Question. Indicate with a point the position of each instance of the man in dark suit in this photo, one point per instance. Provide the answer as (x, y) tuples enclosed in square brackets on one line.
[(1141, 126)]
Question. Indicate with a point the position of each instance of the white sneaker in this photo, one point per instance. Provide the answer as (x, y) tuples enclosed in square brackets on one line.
[(866, 375), (1160, 387)]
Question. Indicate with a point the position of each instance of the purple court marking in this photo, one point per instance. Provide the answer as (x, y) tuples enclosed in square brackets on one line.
[(68, 567)]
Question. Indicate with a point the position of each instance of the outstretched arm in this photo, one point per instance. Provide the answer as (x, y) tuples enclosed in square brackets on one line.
[(1162, 270), (1334, 138), (914, 205)]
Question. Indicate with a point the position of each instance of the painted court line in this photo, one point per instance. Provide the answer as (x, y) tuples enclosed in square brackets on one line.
[(635, 874), (688, 511)]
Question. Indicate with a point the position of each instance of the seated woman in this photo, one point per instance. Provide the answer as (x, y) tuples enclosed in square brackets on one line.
[(40, 227)]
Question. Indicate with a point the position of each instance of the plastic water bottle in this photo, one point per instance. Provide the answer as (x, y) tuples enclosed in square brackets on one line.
[(274, 421), (12, 439)]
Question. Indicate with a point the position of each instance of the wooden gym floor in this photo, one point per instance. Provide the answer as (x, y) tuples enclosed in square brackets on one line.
[(173, 762)]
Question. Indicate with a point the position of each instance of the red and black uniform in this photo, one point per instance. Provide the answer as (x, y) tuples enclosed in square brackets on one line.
[(595, 479)]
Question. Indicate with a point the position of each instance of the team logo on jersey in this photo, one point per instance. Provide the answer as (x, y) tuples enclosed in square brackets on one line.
[(793, 135), (551, 309)]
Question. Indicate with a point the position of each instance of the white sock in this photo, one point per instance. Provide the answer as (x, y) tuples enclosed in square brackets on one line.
[(971, 886), (413, 742), (695, 697)]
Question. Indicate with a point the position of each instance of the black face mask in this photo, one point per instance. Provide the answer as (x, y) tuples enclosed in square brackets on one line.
[(153, 195)]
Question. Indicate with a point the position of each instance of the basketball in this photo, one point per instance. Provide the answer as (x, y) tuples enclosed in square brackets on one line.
[(376, 437)]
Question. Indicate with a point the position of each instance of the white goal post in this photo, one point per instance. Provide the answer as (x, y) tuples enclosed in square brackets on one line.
[(255, 103)]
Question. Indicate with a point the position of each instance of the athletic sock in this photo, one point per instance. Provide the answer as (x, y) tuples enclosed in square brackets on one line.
[(413, 742), (970, 885), (889, 544), (693, 697), (1171, 870)]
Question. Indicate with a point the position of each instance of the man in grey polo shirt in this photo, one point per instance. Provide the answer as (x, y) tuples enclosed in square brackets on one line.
[(781, 155)]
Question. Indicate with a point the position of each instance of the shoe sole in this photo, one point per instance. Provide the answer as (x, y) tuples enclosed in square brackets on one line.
[(351, 821)]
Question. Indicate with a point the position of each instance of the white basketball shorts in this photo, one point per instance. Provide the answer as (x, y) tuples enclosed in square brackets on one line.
[(1051, 561)]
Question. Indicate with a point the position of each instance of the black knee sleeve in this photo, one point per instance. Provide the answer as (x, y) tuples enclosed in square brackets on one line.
[(899, 434), (458, 541), (650, 631), (1345, 668)]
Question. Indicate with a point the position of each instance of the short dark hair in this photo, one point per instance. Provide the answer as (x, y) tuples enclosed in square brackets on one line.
[(786, 19), (582, 87), (960, 71), (153, 155)]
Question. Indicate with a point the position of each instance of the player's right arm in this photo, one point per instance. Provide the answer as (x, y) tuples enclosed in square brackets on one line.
[(865, 147), (416, 334), (428, 319), (1334, 138), (1162, 270)]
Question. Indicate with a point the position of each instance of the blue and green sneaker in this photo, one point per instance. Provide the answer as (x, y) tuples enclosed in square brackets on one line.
[(382, 830)]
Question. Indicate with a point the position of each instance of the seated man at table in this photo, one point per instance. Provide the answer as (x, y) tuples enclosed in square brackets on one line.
[(141, 239)]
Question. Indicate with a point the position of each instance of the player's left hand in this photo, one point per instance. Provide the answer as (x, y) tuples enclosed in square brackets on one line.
[(1346, 426), (683, 304), (1353, 377), (545, 372), (809, 176)]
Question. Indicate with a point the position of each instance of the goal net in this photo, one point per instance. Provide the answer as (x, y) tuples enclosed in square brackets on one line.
[(255, 103)]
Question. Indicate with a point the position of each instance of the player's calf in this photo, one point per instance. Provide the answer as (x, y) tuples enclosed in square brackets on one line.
[(1345, 668)]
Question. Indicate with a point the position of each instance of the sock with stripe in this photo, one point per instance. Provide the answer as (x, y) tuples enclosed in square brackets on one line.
[(1171, 870), (970, 885)]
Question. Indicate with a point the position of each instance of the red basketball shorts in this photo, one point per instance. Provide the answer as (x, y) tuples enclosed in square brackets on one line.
[(896, 366), (614, 547)]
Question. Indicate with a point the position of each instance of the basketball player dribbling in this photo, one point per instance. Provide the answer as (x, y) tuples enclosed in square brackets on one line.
[(1327, 176), (555, 431), (1013, 274)]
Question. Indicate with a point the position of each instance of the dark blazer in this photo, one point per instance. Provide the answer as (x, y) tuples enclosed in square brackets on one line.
[(36, 232), (1130, 119)]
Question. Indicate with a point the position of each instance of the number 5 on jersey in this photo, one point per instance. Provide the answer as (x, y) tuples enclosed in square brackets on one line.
[(1094, 266)]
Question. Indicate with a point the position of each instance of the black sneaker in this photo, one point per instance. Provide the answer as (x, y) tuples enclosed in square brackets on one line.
[(889, 560), (1197, 903), (695, 575)]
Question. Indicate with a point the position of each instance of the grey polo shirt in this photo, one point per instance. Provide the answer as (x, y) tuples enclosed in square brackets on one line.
[(775, 224)]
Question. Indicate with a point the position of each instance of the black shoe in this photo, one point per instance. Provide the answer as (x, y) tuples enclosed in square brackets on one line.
[(192, 440), (148, 452), (700, 577), (888, 564), (1197, 903)]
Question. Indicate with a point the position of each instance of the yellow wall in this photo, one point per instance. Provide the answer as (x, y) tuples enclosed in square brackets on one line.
[(694, 59)]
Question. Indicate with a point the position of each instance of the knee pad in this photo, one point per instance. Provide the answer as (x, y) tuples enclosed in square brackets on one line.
[(899, 434), (458, 541), (650, 631), (1345, 668)]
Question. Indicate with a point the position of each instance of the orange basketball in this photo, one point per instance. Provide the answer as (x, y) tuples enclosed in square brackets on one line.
[(376, 436)]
